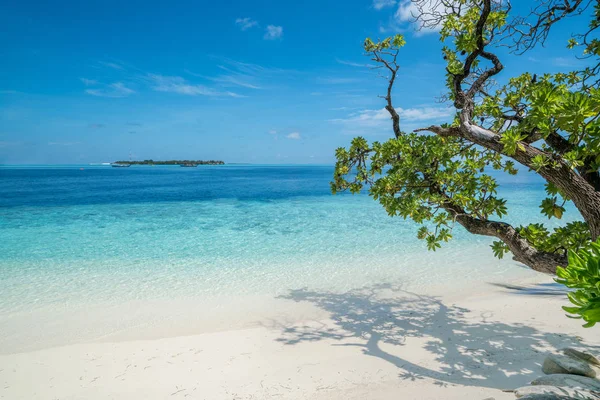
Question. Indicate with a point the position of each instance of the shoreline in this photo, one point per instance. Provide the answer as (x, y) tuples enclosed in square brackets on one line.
[(53, 325), (376, 342)]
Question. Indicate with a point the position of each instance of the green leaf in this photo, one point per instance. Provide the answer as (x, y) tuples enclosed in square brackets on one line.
[(583, 274)]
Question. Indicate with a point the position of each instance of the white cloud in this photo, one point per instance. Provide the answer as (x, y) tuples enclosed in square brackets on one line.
[(245, 75), (246, 23), (8, 92), (365, 119), (343, 108), (177, 84), (273, 132), (380, 119), (560, 61), (88, 82), (566, 62), (112, 65), (392, 27), (294, 136), (273, 32), (252, 69), (350, 63), (236, 74), (379, 4), (406, 11), (235, 80), (232, 78), (115, 90), (425, 113), (406, 14)]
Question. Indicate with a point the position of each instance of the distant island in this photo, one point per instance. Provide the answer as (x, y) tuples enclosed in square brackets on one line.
[(183, 163)]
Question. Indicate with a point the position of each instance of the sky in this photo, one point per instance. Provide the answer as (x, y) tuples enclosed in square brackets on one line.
[(266, 81)]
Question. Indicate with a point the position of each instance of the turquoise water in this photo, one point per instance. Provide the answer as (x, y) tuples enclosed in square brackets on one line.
[(72, 236)]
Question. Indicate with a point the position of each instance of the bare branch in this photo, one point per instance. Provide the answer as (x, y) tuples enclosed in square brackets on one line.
[(527, 32), (393, 68)]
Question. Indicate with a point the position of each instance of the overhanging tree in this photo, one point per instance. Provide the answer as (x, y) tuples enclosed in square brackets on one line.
[(438, 175)]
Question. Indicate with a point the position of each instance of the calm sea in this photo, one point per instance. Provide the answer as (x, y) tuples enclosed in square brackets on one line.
[(77, 235)]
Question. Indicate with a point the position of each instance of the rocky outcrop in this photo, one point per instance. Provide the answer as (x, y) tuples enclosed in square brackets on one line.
[(572, 374), (548, 396), (563, 364), (568, 392), (566, 380), (587, 357)]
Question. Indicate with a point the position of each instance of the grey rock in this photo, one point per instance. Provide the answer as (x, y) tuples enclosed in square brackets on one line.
[(548, 396), (558, 364), (587, 357), (574, 381), (565, 392)]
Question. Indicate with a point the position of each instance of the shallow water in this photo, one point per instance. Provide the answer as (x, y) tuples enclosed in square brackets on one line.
[(71, 237)]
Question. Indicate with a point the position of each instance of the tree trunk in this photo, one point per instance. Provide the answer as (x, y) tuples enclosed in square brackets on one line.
[(582, 193), (519, 246), (521, 249)]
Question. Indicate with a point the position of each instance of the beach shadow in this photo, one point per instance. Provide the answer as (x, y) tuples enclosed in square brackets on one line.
[(470, 351)]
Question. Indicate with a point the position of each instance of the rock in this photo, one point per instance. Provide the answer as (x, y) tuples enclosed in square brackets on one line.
[(558, 364), (573, 381), (587, 357), (562, 392), (548, 396)]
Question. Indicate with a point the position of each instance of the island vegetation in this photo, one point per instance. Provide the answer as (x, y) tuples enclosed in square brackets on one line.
[(173, 162)]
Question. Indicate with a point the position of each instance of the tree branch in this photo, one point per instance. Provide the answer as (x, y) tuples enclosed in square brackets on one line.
[(519, 246), (393, 67), (582, 193), (526, 35), (562, 145)]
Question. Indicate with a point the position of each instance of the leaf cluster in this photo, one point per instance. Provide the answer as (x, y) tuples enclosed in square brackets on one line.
[(390, 43), (573, 236), (583, 274), (418, 176)]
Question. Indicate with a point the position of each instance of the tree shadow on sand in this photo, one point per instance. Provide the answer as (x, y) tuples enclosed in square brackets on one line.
[(468, 350)]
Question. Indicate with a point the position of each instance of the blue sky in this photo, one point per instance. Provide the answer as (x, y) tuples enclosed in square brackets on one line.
[(241, 81)]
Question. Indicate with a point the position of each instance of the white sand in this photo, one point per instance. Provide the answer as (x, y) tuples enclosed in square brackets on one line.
[(374, 343)]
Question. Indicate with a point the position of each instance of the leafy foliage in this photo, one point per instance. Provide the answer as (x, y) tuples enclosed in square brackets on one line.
[(583, 274), (436, 179), (553, 105), (411, 177)]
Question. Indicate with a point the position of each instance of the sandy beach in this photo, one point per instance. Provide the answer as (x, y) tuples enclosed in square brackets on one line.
[(378, 342)]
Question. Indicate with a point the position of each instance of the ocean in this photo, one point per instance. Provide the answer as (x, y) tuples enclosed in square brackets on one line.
[(74, 239)]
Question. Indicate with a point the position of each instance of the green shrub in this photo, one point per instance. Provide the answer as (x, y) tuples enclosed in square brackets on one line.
[(583, 274)]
